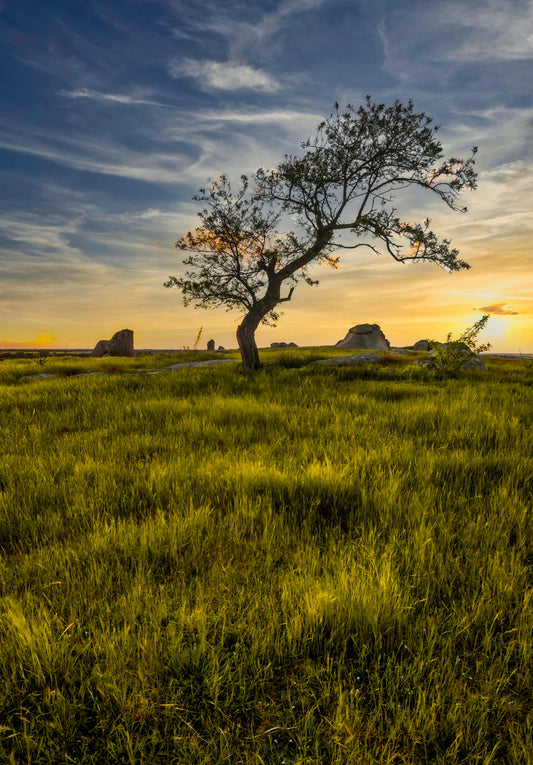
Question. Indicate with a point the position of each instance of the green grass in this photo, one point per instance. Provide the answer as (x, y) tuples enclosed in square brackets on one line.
[(300, 565)]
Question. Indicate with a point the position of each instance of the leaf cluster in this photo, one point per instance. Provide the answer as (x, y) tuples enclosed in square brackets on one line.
[(236, 251), (339, 192), (351, 171)]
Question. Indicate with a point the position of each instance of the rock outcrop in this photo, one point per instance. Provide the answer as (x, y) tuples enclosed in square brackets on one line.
[(121, 344), (365, 337), (283, 345)]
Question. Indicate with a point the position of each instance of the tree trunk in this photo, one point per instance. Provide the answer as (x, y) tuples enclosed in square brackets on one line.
[(247, 344), (246, 329)]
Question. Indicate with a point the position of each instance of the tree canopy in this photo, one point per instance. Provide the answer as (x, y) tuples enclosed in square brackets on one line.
[(336, 194)]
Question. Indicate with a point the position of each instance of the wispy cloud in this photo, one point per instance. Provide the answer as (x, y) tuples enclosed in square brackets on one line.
[(492, 295), (95, 95), (178, 145), (460, 50), (41, 238), (96, 154), (224, 75), (500, 209), (272, 22), (497, 309), (243, 37), (500, 30), (225, 18), (262, 117)]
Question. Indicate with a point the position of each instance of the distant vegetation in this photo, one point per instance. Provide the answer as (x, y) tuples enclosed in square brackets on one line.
[(297, 565)]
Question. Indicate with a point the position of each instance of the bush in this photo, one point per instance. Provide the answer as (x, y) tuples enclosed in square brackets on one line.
[(449, 357)]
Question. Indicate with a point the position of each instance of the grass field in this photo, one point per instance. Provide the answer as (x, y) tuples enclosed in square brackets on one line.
[(299, 565)]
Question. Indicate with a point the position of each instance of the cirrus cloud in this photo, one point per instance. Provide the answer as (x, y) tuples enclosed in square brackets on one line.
[(95, 95), (499, 32)]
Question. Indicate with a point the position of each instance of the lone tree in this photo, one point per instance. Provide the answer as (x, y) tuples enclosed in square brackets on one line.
[(338, 194)]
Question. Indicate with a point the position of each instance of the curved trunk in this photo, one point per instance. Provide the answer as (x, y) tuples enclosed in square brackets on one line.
[(246, 329), (247, 344)]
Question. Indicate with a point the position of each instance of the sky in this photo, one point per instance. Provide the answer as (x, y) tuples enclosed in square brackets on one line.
[(114, 114)]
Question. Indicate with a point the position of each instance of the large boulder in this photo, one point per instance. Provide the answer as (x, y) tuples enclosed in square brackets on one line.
[(422, 345), (366, 337), (121, 344), (100, 349)]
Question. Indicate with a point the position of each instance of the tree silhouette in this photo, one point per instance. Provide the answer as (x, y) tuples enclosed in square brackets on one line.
[(336, 194)]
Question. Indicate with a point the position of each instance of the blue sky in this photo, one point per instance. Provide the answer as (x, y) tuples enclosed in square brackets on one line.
[(115, 113)]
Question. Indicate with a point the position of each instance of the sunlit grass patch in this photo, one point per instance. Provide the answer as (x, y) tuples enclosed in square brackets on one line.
[(303, 564)]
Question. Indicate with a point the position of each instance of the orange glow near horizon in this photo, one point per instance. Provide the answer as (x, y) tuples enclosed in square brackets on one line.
[(44, 339), (409, 303)]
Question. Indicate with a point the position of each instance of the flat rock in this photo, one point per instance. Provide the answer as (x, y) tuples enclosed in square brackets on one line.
[(360, 358), (189, 364), (40, 376), (87, 374)]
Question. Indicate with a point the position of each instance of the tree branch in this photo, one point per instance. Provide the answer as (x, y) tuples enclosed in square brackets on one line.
[(286, 299)]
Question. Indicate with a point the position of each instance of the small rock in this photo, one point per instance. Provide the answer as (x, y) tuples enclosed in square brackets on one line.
[(476, 362), (210, 345)]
